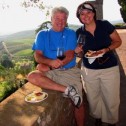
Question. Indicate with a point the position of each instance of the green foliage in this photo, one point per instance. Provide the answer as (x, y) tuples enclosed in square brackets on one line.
[(44, 25), (15, 46), (6, 87), (4, 57), (12, 78), (120, 25), (10, 42), (33, 3), (6, 61), (23, 67), (26, 52), (36, 4), (2, 69), (122, 3)]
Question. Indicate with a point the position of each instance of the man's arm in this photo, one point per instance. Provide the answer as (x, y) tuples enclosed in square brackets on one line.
[(69, 56), (41, 59)]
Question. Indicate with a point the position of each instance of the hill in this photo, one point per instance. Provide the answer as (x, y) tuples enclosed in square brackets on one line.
[(28, 34), (19, 35)]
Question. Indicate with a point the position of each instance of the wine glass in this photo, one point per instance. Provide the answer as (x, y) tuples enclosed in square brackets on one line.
[(60, 53), (81, 40), (81, 43)]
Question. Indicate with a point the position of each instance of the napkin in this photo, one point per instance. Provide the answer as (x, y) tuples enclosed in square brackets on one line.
[(91, 60)]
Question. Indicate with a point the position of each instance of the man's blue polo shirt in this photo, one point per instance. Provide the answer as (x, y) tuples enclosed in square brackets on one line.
[(48, 41), (100, 40)]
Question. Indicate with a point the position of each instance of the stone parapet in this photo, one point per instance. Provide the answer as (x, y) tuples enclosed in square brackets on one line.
[(54, 111)]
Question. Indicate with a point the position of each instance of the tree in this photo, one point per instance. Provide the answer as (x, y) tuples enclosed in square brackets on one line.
[(122, 3), (36, 3), (44, 25), (28, 4), (6, 61)]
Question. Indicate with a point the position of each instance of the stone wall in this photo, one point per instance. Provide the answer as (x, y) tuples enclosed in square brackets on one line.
[(53, 111), (59, 111)]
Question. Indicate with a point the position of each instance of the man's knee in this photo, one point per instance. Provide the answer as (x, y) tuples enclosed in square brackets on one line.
[(33, 76)]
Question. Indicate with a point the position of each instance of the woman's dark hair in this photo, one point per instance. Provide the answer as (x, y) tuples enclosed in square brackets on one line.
[(82, 6)]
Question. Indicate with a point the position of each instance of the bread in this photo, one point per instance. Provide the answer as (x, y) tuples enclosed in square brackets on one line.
[(91, 53), (40, 95)]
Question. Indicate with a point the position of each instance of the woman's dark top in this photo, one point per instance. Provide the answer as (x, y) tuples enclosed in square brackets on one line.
[(100, 40)]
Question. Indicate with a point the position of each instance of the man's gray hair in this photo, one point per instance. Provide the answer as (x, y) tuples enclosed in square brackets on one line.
[(60, 9)]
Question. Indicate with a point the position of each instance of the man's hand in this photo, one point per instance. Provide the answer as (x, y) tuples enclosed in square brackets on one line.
[(55, 63)]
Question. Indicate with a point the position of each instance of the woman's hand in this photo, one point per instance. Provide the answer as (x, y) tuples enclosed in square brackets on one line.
[(105, 50), (79, 49)]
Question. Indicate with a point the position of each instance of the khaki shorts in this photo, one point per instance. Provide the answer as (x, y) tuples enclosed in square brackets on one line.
[(67, 77)]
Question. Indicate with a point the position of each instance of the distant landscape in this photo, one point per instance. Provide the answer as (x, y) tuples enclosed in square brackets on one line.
[(19, 35), (20, 43), (31, 33), (25, 34)]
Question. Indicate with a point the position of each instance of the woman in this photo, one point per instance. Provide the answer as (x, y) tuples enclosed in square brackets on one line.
[(100, 73)]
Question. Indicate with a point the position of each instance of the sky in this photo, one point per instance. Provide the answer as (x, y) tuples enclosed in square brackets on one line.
[(15, 18)]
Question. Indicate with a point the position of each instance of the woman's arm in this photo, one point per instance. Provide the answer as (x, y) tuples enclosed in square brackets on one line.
[(116, 42)]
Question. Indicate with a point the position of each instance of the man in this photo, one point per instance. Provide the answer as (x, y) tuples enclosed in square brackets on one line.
[(53, 73)]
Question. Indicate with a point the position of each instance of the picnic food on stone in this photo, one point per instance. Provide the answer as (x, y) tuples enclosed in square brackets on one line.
[(36, 96)]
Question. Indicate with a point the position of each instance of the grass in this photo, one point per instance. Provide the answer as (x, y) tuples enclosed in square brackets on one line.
[(26, 52), (19, 41)]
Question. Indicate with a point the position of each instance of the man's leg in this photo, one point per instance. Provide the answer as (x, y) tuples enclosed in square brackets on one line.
[(80, 115), (40, 79)]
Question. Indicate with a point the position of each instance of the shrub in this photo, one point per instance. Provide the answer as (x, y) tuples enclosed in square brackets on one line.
[(5, 89)]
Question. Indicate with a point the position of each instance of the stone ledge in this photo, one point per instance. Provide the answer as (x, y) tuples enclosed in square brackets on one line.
[(14, 111)]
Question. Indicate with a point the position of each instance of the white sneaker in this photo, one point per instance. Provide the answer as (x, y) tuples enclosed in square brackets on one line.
[(72, 93)]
